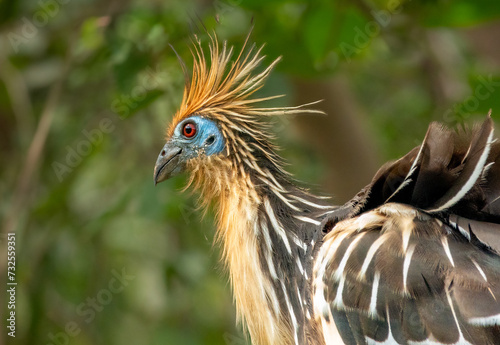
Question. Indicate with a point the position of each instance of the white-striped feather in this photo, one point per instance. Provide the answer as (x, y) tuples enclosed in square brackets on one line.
[(268, 254), (330, 331), (407, 229), (444, 241), (460, 229), (493, 320), (407, 179), (366, 219), (299, 265), (304, 201), (276, 225), (461, 339), (301, 244), (472, 179), (338, 302), (406, 265), (372, 311), (340, 270), (369, 256), (481, 272), (308, 220), (327, 251), (291, 312)]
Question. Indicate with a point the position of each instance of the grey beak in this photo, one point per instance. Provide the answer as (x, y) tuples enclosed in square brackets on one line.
[(168, 163)]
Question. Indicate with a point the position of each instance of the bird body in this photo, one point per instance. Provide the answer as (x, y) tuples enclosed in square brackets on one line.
[(397, 264)]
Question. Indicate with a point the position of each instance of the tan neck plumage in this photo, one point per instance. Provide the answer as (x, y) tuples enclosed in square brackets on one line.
[(239, 232)]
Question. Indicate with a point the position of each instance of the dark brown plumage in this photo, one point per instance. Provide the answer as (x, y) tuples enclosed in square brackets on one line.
[(411, 259)]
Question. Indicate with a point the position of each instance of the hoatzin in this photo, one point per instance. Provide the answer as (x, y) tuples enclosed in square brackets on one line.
[(412, 259)]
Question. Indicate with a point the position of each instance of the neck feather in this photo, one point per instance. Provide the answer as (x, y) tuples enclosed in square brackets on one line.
[(267, 235)]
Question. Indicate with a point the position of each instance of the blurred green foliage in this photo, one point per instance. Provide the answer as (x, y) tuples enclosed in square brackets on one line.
[(96, 82)]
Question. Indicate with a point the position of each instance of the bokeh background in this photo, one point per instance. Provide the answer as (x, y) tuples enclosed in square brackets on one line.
[(87, 88)]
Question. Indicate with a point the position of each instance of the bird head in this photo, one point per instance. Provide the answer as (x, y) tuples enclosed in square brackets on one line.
[(193, 138), (219, 133)]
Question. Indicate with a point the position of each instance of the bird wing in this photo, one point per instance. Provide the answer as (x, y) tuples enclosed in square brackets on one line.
[(396, 275), (414, 257), (452, 171)]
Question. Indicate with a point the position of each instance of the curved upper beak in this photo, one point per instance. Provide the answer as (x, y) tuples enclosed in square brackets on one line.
[(168, 163)]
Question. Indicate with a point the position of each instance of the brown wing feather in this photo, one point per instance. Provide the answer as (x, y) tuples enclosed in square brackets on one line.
[(450, 172), (408, 276)]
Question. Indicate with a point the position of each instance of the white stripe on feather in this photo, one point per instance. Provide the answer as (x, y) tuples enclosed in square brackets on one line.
[(325, 255), (407, 229), (299, 242), (291, 312), (340, 270), (299, 296), (369, 256), (330, 331), (304, 201), (270, 265), (480, 270), (407, 179), (472, 179), (491, 202), (372, 311), (493, 320), (486, 169), (406, 266), (370, 218), (327, 251), (446, 247), (321, 306), (461, 339), (308, 220), (460, 229), (338, 302), (326, 212), (269, 247), (299, 265), (276, 224), (429, 342), (285, 200)]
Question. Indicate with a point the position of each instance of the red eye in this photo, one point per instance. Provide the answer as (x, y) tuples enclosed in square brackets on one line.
[(189, 130)]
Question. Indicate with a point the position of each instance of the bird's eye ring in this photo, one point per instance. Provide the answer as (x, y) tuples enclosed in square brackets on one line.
[(189, 130)]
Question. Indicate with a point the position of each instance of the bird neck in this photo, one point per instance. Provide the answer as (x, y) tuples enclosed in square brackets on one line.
[(267, 237)]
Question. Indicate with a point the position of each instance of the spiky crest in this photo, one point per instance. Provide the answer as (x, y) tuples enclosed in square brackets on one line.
[(220, 90)]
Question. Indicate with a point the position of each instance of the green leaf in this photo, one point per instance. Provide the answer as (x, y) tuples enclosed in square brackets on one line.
[(317, 31)]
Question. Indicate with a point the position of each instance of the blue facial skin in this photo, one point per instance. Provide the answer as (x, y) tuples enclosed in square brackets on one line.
[(207, 140)]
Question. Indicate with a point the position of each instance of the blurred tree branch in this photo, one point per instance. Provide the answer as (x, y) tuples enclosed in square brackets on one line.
[(342, 139)]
